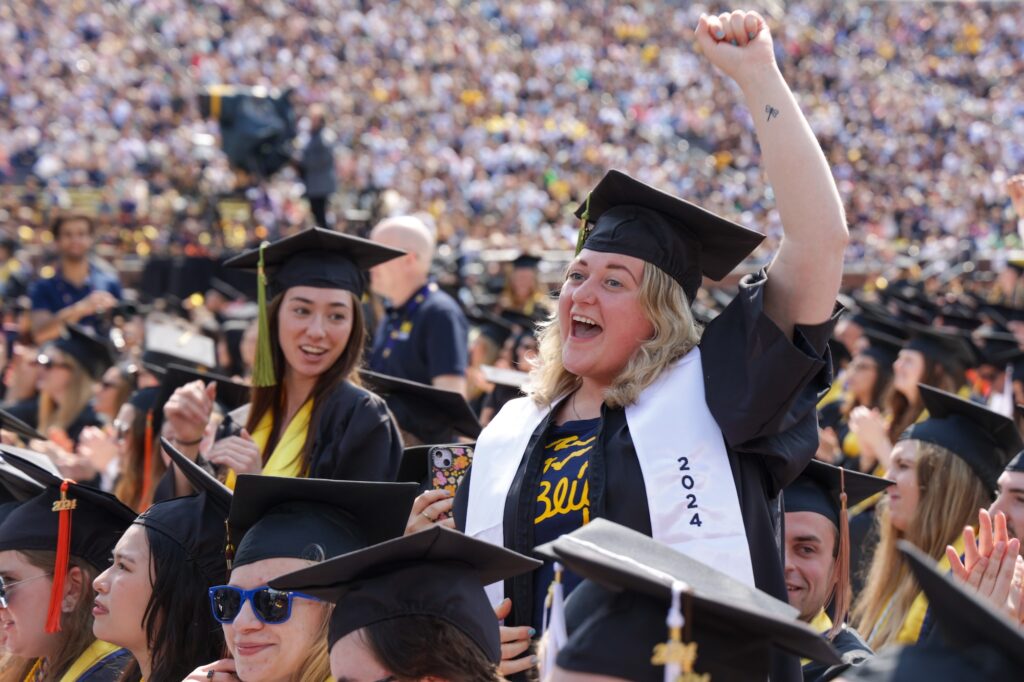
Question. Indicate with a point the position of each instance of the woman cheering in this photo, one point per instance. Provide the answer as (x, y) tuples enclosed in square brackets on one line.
[(633, 415), (307, 417)]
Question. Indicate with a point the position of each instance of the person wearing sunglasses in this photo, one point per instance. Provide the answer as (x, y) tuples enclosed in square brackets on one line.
[(46, 594), (150, 601), (279, 525)]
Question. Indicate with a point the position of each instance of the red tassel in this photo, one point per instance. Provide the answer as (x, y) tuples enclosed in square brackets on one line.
[(63, 507), (147, 463)]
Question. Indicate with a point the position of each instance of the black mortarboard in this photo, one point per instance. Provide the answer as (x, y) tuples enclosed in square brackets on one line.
[(882, 348), (428, 413), (1017, 463), (226, 290), (231, 394), (437, 572), (169, 342), (959, 317), (417, 461), (315, 519), (618, 616), (951, 348), (9, 422), (526, 261), (878, 319), (997, 348), (496, 328), (17, 487), (984, 439), (818, 488), (840, 354), (316, 258), (682, 239), (972, 641), (95, 354), (196, 523), (92, 522)]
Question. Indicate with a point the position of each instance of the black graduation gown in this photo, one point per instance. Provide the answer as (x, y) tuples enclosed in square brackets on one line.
[(356, 439), (762, 389), (852, 649)]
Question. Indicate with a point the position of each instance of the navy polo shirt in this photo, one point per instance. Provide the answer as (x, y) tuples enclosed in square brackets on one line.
[(56, 293), (422, 339)]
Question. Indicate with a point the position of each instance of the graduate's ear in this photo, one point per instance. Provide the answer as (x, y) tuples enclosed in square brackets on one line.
[(73, 589)]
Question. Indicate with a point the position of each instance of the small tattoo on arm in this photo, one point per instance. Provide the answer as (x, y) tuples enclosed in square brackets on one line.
[(771, 111)]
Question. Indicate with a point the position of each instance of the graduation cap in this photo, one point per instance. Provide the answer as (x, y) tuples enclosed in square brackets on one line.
[(973, 642), (16, 486), (951, 348), (997, 348), (66, 518), (9, 422), (437, 572), (984, 439), (1017, 463), (882, 348), (495, 328), (683, 239), (503, 376), (428, 413), (418, 460), (617, 616), (170, 342), (314, 519), (840, 354), (526, 261), (95, 354), (231, 394), (957, 317), (226, 290), (196, 523), (316, 257), (829, 491)]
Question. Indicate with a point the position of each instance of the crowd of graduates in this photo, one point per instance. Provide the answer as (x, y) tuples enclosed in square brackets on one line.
[(333, 461)]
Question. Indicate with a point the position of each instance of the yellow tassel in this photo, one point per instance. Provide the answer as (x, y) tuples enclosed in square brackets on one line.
[(584, 219), (263, 372)]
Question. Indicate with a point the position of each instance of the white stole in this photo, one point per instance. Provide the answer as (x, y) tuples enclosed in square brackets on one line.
[(691, 494)]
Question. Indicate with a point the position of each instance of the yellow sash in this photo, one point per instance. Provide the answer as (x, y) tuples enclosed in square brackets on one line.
[(286, 459), (820, 623), (911, 629), (96, 652)]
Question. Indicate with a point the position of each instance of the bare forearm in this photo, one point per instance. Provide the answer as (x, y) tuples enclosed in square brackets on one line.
[(807, 198)]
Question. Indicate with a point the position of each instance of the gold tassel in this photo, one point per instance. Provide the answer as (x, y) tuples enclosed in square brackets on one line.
[(263, 370), (584, 219), (677, 656)]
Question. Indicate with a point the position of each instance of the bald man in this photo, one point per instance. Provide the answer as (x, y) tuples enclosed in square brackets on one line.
[(423, 337)]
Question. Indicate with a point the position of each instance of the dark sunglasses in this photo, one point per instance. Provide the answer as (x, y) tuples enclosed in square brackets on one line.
[(270, 606), (6, 587)]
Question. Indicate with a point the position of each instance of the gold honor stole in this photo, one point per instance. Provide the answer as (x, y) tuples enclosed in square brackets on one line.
[(691, 495), (95, 653), (285, 460)]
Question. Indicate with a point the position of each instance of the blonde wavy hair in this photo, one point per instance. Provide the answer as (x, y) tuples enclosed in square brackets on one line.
[(76, 396), (675, 334), (950, 497), (317, 665)]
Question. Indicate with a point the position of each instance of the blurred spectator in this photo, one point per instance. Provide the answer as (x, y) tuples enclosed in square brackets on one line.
[(317, 166)]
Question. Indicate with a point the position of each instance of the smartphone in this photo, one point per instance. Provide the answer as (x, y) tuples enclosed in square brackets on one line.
[(448, 466)]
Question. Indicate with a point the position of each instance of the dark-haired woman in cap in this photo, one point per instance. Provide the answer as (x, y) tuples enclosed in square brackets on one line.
[(633, 414), (308, 415)]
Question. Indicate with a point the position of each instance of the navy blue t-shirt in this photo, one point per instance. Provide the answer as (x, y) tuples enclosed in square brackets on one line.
[(563, 498), (424, 339), (56, 293)]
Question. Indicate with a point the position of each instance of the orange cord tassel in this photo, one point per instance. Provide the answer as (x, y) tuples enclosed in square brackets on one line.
[(147, 463), (841, 591), (63, 507)]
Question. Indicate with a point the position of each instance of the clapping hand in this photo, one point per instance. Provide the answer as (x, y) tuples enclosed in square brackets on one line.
[(992, 566)]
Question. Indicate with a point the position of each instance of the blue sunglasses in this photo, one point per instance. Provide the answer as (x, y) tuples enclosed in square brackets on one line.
[(270, 606)]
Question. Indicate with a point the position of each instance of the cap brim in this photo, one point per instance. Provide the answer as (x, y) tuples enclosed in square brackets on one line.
[(1001, 429), (362, 252), (640, 564), (330, 579), (200, 479), (450, 406), (11, 423), (381, 510), (964, 619)]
